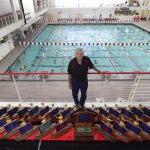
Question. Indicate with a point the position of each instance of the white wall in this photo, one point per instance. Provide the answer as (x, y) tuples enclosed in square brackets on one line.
[(10, 28), (85, 13), (6, 47), (5, 7)]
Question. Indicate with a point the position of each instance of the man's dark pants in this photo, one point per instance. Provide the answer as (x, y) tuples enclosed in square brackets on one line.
[(82, 86)]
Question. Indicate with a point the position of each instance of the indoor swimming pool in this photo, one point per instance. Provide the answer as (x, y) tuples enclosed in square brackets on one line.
[(55, 58)]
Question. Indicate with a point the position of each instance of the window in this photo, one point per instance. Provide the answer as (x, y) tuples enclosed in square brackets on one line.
[(86, 3), (5, 7)]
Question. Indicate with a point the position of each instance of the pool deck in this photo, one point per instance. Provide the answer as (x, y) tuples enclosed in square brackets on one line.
[(11, 57), (143, 24)]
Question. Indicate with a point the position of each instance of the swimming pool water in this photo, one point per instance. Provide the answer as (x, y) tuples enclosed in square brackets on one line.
[(37, 58)]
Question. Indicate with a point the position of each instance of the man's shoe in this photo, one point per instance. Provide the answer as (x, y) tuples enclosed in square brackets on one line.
[(83, 108), (77, 106)]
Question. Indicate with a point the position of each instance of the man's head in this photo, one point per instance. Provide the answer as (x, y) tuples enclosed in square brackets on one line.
[(79, 53)]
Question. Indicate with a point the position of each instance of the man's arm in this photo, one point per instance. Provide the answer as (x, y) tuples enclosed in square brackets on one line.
[(69, 80), (91, 66), (94, 68), (69, 75)]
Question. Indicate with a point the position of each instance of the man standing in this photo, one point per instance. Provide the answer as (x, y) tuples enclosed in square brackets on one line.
[(77, 75)]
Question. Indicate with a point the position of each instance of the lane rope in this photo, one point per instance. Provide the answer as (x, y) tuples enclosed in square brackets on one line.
[(85, 44)]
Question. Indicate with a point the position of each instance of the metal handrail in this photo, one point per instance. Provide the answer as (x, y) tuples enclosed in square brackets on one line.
[(63, 73), (20, 86)]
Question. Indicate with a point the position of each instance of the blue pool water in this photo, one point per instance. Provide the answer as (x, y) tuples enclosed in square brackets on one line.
[(37, 58)]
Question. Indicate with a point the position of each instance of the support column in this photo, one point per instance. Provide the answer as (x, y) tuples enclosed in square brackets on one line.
[(14, 10), (31, 28), (23, 34), (21, 9), (44, 87), (17, 90)]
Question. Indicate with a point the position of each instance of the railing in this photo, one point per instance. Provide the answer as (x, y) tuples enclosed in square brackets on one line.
[(9, 19), (122, 88), (97, 21), (63, 73)]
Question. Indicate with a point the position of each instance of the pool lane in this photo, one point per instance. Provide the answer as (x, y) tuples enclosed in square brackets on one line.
[(37, 58)]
